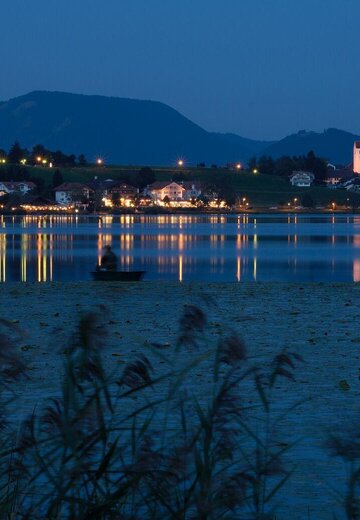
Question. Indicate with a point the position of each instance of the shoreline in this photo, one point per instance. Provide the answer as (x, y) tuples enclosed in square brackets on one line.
[(258, 211)]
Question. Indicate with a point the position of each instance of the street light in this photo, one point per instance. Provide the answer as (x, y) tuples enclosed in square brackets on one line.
[(255, 170), (180, 162), (99, 161), (238, 166), (39, 159)]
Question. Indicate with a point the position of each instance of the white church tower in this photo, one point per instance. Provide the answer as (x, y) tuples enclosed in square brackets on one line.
[(356, 167)]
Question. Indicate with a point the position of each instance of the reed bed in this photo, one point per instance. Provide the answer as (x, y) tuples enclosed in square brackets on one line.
[(136, 443)]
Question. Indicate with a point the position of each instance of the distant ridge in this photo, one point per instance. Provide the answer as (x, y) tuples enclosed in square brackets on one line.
[(129, 131), (332, 144)]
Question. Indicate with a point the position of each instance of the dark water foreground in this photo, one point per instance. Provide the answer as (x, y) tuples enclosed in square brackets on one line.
[(186, 248)]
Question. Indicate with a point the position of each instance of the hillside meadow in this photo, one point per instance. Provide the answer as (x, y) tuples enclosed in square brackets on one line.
[(259, 189)]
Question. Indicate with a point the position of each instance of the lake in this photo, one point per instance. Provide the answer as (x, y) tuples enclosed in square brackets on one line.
[(210, 248)]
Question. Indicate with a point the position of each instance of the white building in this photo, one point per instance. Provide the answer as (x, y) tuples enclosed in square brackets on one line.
[(352, 184), (356, 159), (336, 177), (21, 188), (72, 193), (302, 179), (25, 186), (174, 191), (159, 190), (192, 189)]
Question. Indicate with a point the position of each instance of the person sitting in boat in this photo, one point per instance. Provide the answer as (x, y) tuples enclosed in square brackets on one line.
[(108, 260)]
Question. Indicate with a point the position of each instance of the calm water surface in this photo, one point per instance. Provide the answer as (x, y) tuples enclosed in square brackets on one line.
[(205, 248)]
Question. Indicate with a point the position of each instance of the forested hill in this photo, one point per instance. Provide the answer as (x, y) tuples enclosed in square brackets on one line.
[(121, 130), (128, 131)]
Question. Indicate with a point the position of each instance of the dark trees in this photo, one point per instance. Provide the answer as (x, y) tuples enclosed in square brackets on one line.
[(16, 153), (285, 165), (221, 188), (145, 176), (252, 163), (265, 165), (39, 151), (82, 160), (61, 159), (316, 165)]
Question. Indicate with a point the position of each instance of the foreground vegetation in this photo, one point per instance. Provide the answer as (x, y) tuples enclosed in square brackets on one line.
[(136, 443)]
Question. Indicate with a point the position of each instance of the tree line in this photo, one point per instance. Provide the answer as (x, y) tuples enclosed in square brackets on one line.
[(40, 155), (286, 164)]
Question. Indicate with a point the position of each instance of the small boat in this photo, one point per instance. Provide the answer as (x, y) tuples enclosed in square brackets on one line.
[(117, 276)]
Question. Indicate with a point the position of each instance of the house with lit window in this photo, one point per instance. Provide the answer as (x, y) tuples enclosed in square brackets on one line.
[(302, 179), (72, 193), (160, 190), (174, 191), (193, 189), (335, 177), (122, 190)]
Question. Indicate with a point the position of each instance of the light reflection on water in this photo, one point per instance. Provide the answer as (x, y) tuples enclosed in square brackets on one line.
[(183, 247)]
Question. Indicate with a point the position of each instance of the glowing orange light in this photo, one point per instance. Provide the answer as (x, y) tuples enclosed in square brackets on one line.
[(238, 166)]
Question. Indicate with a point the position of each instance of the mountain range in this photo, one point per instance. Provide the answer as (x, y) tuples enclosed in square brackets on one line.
[(129, 131)]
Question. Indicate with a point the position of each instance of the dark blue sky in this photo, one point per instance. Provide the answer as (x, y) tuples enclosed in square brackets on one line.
[(260, 68)]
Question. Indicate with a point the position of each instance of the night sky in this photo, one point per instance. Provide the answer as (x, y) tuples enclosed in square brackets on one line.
[(259, 68)]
